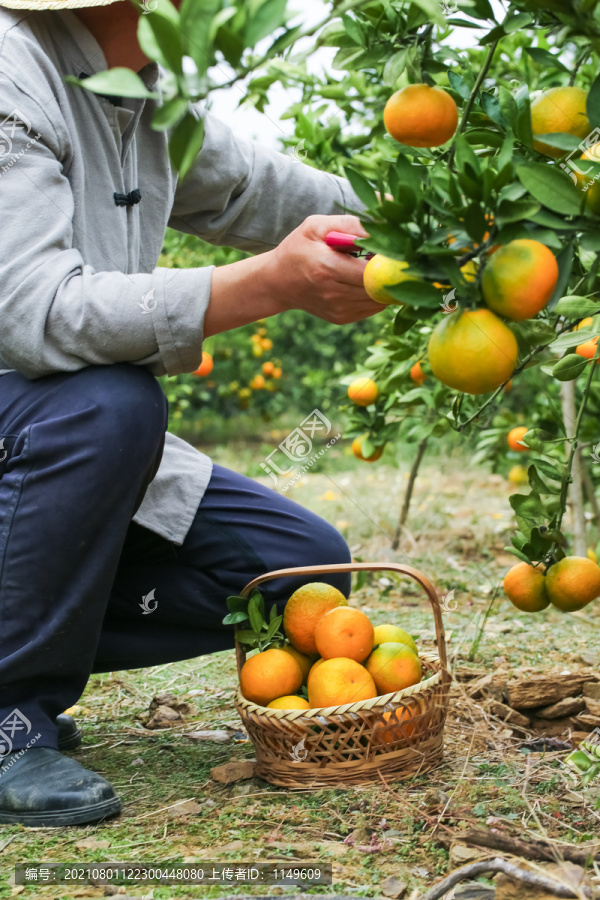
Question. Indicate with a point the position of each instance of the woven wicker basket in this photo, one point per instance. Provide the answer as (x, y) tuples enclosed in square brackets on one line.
[(353, 743)]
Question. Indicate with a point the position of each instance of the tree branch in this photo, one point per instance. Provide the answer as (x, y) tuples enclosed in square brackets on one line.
[(501, 865)]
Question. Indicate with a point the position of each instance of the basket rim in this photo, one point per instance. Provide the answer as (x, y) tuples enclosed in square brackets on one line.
[(291, 715)]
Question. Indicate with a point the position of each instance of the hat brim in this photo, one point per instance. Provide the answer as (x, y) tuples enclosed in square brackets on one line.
[(53, 4)]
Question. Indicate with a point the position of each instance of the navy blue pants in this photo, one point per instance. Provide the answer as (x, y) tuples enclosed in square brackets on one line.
[(77, 452)]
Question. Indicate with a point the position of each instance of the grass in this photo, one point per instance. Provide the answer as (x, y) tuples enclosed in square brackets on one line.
[(457, 531)]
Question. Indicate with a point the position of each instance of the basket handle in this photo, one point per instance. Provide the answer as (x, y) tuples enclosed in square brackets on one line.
[(415, 574)]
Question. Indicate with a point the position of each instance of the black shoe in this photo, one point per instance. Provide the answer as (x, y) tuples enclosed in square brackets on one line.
[(40, 787), (69, 736)]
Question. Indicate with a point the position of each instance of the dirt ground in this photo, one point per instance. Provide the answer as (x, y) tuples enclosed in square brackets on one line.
[(175, 812)]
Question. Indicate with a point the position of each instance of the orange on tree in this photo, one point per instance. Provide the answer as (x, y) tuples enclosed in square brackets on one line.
[(385, 633), (382, 272), (519, 279), (266, 344), (304, 661), (421, 116), (338, 681), (525, 587), (417, 374), (276, 372), (394, 725), (472, 351), (363, 391), (559, 110), (516, 435), (393, 667), (585, 323), (344, 632), (518, 475), (268, 675), (257, 383), (572, 583), (304, 609), (267, 368), (206, 366), (357, 450), (291, 702), (588, 348)]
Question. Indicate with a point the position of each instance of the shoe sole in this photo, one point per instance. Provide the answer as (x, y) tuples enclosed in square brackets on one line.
[(70, 743), (60, 818)]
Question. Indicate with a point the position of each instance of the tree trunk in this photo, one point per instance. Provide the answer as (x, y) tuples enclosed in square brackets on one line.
[(590, 490), (569, 409), (409, 491)]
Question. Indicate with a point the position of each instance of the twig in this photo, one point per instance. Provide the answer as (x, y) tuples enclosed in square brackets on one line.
[(471, 101), (473, 870), (479, 634), (409, 491), (544, 850)]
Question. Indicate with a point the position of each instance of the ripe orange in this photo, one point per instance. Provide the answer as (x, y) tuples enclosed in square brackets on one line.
[(313, 669), (561, 109), (585, 323), (421, 116), (519, 279), (276, 372), (363, 391), (417, 374), (266, 344), (382, 272), (386, 633), (267, 368), (291, 702), (304, 609), (206, 366), (305, 662), (588, 349), (338, 681), (344, 632), (268, 675), (516, 435), (572, 583), (525, 587), (472, 351), (393, 666), (257, 383), (357, 450), (394, 725)]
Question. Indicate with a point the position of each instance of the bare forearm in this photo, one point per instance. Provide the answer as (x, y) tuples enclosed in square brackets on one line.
[(240, 293)]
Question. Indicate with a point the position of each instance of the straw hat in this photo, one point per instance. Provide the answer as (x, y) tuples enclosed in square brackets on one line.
[(53, 4)]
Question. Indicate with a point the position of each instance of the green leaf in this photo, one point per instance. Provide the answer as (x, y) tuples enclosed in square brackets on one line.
[(186, 143), (569, 367), (117, 82), (570, 340), (234, 618), (537, 438), (514, 552), (533, 333), (169, 113), (196, 20), (465, 157), (432, 8), (565, 260), (545, 58), (560, 140), (416, 293), (593, 103), (529, 511), (363, 189), (245, 636), (551, 187), (575, 307), (458, 83), (273, 626), (270, 15), (394, 68), (548, 470), (538, 485), (160, 39), (404, 321), (237, 604)]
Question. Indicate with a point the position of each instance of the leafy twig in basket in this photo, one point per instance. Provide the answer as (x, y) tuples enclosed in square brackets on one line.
[(249, 614)]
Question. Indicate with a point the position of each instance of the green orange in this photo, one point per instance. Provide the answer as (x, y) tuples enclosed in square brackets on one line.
[(519, 279), (473, 351), (382, 272), (559, 110), (393, 666)]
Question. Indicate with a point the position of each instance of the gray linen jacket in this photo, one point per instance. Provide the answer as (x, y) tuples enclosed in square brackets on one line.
[(79, 284)]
